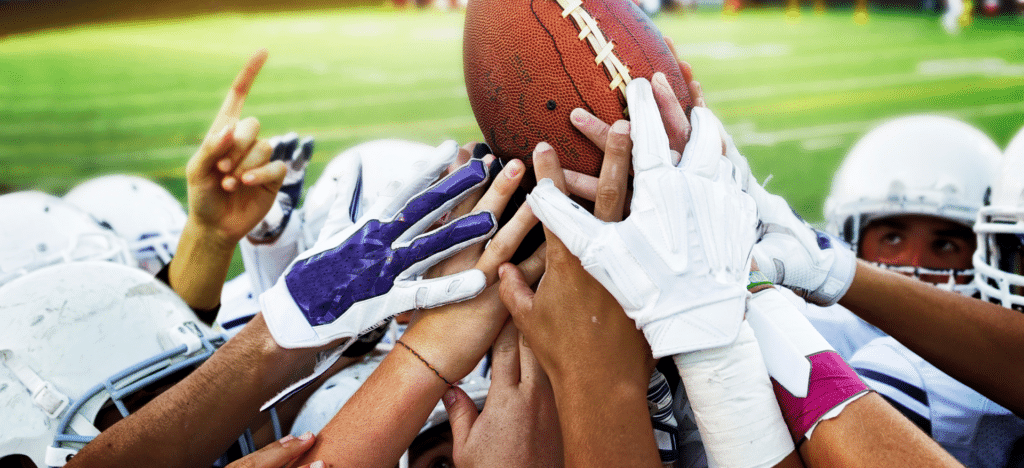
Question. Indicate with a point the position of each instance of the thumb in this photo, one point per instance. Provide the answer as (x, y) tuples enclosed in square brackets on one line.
[(461, 416), (515, 293)]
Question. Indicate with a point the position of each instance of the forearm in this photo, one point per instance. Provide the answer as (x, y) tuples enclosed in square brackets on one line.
[(383, 417), (193, 422), (200, 265), (975, 342), (605, 421), (870, 433)]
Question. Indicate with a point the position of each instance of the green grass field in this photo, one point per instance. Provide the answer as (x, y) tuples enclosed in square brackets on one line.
[(137, 97)]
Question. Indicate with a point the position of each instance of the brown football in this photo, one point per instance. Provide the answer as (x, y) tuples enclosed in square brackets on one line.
[(529, 63)]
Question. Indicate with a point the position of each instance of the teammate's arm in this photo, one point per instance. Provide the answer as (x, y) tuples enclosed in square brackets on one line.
[(975, 342), (231, 186), (598, 362)]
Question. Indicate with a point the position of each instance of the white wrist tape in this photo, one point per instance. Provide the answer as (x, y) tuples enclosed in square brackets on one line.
[(732, 399)]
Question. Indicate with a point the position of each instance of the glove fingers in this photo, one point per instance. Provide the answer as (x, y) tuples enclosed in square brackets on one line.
[(572, 224), (285, 147), (703, 152), (425, 208), (419, 175), (650, 142), (430, 248)]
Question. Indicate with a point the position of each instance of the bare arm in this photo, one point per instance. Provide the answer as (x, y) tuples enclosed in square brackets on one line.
[(231, 186), (194, 422), (975, 342), (871, 433)]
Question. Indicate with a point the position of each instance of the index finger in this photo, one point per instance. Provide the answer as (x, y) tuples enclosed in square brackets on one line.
[(231, 109)]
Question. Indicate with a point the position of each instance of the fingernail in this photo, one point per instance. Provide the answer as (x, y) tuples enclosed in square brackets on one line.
[(514, 168), (286, 439), (317, 464), (542, 147), (449, 397), (248, 177), (578, 115), (308, 435), (661, 80), (224, 165), (621, 127)]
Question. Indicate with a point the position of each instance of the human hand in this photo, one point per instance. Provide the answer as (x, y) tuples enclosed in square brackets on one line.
[(231, 185), (677, 126), (280, 453), (678, 264), (519, 423), (591, 351), (454, 338), (358, 276), (296, 155)]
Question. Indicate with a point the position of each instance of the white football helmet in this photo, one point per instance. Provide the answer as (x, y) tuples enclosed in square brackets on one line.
[(79, 342), (918, 165), (999, 259), (142, 212), (381, 161), (45, 230)]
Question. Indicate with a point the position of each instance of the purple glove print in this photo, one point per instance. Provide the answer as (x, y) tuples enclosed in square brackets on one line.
[(372, 271)]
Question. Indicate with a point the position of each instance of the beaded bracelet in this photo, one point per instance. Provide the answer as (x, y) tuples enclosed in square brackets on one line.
[(757, 278), (425, 362)]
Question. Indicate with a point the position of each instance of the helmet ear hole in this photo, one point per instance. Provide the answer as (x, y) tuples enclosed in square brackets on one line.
[(16, 461)]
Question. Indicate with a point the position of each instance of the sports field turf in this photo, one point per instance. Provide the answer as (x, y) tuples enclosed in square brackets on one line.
[(138, 97)]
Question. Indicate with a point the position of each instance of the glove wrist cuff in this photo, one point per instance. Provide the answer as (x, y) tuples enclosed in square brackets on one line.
[(838, 281)]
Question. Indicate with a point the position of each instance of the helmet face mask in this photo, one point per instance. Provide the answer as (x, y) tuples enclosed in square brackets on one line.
[(927, 166), (999, 259)]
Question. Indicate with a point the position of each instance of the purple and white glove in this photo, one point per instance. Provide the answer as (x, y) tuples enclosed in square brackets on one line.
[(296, 155), (790, 252), (358, 276)]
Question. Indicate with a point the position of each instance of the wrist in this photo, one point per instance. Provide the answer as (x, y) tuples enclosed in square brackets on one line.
[(206, 238)]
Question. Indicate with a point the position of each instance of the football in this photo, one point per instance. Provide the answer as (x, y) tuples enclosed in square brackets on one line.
[(529, 63)]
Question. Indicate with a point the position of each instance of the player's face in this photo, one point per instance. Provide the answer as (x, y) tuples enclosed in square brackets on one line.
[(919, 241)]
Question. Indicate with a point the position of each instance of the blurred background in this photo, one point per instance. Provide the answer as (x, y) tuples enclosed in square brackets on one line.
[(94, 87)]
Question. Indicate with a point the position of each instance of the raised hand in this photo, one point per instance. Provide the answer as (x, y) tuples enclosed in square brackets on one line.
[(231, 183)]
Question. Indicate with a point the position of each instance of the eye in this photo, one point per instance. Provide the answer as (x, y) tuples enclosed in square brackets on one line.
[(946, 246), (441, 462), (892, 238)]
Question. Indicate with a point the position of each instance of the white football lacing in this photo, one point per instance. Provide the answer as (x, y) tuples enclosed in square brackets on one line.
[(602, 47)]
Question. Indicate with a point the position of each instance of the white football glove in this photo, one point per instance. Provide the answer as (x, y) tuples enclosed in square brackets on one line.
[(357, 276), (678, 264), (815, 265)]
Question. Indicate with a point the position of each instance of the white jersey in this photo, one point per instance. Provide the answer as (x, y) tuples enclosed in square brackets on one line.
[(238, 305), (975, 430), (842, 329)]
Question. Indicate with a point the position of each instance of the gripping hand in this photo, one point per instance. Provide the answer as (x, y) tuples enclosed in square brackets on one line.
[(815, 265), (678, 265), (359, 275), (296, 155)]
